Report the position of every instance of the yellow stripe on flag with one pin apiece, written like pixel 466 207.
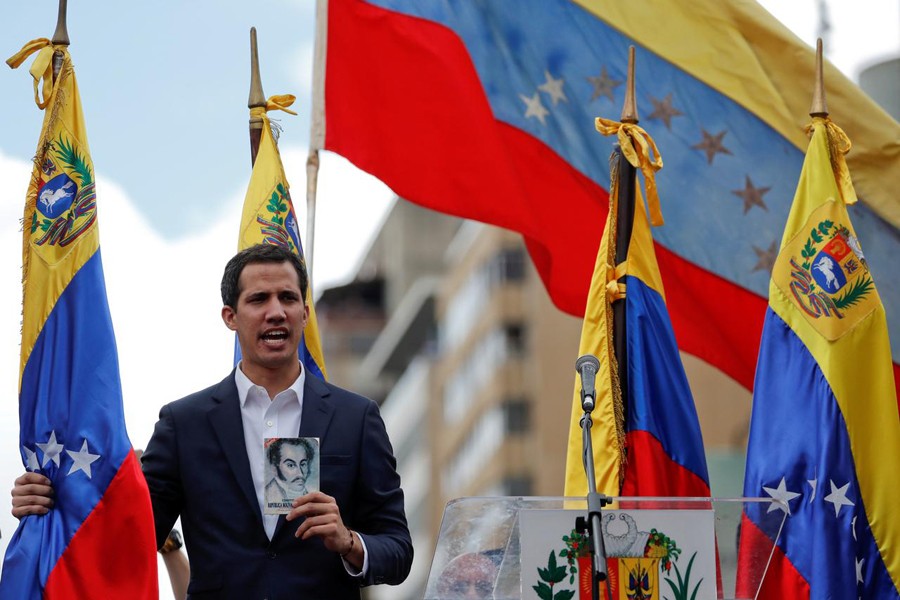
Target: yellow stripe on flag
pixel 269 216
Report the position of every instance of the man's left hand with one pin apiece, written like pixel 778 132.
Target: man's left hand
pixel 323 519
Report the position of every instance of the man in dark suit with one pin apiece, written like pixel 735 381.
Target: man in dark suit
pixel 205 461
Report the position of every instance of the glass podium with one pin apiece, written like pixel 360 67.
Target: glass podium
pixel 506 548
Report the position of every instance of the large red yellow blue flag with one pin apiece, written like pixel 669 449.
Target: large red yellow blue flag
pixel 269 218
pixel 653 417
pixel 484 110
pixel 824 434
pixel 98 540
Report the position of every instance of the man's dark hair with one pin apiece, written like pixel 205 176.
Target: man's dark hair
pixel 260 253
pixel 273 451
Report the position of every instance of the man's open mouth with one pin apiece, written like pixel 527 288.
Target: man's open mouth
pixel 275 336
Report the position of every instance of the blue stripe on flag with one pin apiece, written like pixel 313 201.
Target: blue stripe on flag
pixel 806 442
pixel 659 397
pixel 71 386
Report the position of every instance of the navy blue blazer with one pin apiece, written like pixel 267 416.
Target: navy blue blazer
pixel 196 467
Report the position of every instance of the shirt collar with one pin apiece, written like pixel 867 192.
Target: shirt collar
pixel 244 385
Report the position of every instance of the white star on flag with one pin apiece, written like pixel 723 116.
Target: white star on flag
pixel 31 461
pixel 853 528
pixel 838 497
pixel 83 460
pixel 51 450
pixel 535 108
pixel 780 493
pixel 812 483
pixel 554 88
pixel 859 566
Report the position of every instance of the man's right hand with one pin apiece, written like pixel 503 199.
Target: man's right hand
pixel 32 494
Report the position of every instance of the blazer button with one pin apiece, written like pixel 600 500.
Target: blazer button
pixel 271 554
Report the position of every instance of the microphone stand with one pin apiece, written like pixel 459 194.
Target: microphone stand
pixel 595 501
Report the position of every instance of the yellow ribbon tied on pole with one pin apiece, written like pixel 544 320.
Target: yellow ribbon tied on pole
pixel 277 102
pixel 615 290
pixel 641 152
pixel 838 147
pixel 41 69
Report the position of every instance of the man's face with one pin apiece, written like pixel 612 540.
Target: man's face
pixel 269 317
pixel 293 468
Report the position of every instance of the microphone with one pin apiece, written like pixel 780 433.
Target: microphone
pixel 587 366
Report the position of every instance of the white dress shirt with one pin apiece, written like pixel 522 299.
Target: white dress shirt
pixel 280 416
pixel 264 418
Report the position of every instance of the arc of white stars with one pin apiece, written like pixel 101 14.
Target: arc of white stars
pixel 534 108
pixel 553 87
pixel 51 450
pixel 31 461
pixel 781 493
pixel 838 497
pixel 83 460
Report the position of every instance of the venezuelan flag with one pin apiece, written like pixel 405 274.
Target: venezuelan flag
pixel 485 109
pixel 269 218
pixel 98 540
pixel 657 422
pixel 824 434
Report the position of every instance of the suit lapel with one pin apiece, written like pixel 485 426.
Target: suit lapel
pixel 317 408
pixel 225 418
pixel 317 413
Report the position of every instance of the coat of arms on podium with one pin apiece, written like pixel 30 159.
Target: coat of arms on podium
pixel 644 562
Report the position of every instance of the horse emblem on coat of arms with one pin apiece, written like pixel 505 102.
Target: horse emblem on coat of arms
pixel 65 199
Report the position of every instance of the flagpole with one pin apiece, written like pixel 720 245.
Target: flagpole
pixel 257 98
pixel 60 38
pixel 317 128
pixel 819 108
pixel 624 225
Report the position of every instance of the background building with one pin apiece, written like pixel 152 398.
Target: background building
pixel 448 326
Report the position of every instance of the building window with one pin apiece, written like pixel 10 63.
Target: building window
pixel 517 485
pixel 509 265
pixel 515 338
pixel 517 415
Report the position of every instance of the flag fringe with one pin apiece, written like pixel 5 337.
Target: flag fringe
pixel 615 384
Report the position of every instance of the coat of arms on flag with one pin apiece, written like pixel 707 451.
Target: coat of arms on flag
pixel 66 200
pixel 823 271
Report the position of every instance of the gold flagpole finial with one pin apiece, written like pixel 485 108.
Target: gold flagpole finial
pixel 629 109
pixel 61 35
pixel 257 98
pixel 819 108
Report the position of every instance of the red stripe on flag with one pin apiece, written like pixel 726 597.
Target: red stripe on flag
pixel 781 582
pixel 713 319
pixel 897 385
pixel 464 163
pixel 103 558
pixel 650 471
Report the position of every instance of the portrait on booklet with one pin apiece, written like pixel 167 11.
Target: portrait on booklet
pixel 291 470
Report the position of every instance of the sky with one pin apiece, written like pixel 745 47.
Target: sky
pixel 164 86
